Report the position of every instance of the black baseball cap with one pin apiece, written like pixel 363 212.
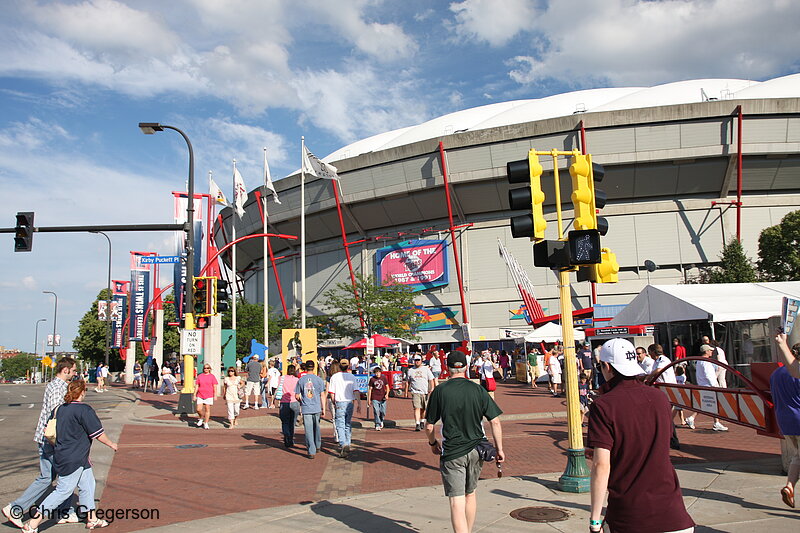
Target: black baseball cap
pixel 456 359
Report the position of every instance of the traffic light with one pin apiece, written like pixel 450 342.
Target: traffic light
pixel 584 247
pixel 23 232
pixel 605 272
pixel 201 296
pixel 221 296
pixel 532 197
pixel 585 198
pixel 202 322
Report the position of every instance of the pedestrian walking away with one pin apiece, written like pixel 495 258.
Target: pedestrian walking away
pixel 253 385
pixel 706 377
pixel 378 396
pixel 345 392
pixel 461 406
pixel 289 407
pixel 785 387
pixel 533 367
pixel 420 384
pixel 204 394
pixel 54 394
pixel 630 425
pixel 76 427
pixel 310 393
pixel 232 390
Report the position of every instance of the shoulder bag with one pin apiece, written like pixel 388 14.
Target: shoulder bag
pixel 50 429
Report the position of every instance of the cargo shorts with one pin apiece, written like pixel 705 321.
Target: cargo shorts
pixel 460 475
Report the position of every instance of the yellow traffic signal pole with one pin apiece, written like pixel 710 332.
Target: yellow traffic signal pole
pixel 576 475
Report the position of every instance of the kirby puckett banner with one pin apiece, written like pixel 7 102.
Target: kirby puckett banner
pixel 417 264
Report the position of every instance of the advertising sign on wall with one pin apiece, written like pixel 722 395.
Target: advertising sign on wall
pixel 418 264
pixel 434 318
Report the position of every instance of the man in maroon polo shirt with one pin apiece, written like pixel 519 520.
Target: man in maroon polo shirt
pixel 630 426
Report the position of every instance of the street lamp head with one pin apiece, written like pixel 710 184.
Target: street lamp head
pixel 149 128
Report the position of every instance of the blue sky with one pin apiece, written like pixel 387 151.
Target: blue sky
pixel 237 75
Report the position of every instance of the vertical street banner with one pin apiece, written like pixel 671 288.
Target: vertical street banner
pixel 118 313
pixel 140 299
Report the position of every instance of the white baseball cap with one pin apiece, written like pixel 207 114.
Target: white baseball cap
pixel 621 354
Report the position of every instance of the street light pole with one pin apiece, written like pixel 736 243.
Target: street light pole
pixel 108 305
pixel 186 401
pixel 55 318
pixel 36 337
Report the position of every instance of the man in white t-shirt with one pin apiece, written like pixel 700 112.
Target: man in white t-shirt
pixel 273 379
pixel 354 362
pixel 554 371
pixel 706 377
pixel 344 390
pixel 420 384
pixel 656 352
pixel 644 360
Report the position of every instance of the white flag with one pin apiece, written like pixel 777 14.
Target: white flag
pixel 268 180
pixel 316 167
pixel 216 193
pixel 239 193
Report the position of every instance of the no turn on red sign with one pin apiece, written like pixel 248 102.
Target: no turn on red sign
pixel 191 342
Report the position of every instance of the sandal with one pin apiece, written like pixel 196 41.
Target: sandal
pixel 96 524
pixel 27 529
pixel 787 494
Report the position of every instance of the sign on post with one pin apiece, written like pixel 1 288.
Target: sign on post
pixel 159 259
pixel 370 346
pixel 191 342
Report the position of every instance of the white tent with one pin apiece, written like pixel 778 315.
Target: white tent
pixel 551 332
pixel 720 302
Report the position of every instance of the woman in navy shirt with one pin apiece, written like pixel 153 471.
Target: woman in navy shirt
pixel 76 427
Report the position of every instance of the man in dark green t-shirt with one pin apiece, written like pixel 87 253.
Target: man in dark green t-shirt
pixel 533 367
pixel 461 405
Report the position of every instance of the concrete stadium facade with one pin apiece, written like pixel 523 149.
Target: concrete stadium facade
pixel 668 151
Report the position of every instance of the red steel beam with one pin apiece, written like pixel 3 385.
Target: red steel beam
pixel 453 234
pixel 335 184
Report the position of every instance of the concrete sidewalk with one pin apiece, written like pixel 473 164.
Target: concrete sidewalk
pixel 739 497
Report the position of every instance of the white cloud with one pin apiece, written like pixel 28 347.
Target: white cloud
pixel 31 134
pixel 629 42
pixel 359 101
pixel 107 28
pixel 493 21
pixel 29 283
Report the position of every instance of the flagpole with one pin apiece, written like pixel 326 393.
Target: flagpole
pixel 264 255
pixel 235 291
pixel 302 233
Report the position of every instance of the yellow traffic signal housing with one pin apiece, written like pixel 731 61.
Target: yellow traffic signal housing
pixel 202 287
pixel 527 170
pixel 583 192
pixel 608 269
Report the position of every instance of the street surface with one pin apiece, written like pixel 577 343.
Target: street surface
pixel 229 479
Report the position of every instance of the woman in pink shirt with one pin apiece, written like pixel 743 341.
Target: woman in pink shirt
pixel 290 407
pixel 205 390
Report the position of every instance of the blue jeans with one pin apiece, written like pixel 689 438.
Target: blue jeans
pixel 83 478
pixel 343 421
pixel 166 386
pixel 264 390
pixel 379 411
pixel 313 433
pixel 288 414
pixel 41 484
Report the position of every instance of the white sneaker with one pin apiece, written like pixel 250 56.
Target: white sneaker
pixel 200 422
pixel 719 427
pixel 690 422
pixel 205 426
pixel 13 515
pixel 71 518
pixel 256 408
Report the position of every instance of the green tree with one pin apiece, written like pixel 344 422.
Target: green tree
pixel 387 308
pixel 735 267
pixel 250 324
pixel 18 365
pixel 779 250
pixel 91 340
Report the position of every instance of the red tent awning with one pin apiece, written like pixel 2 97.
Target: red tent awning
pixel 380 342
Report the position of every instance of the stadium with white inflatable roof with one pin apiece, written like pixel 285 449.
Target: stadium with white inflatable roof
pixel 670 154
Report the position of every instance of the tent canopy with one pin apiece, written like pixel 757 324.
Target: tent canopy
pixel 551 332
pixel 719 302
pixel 380 342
